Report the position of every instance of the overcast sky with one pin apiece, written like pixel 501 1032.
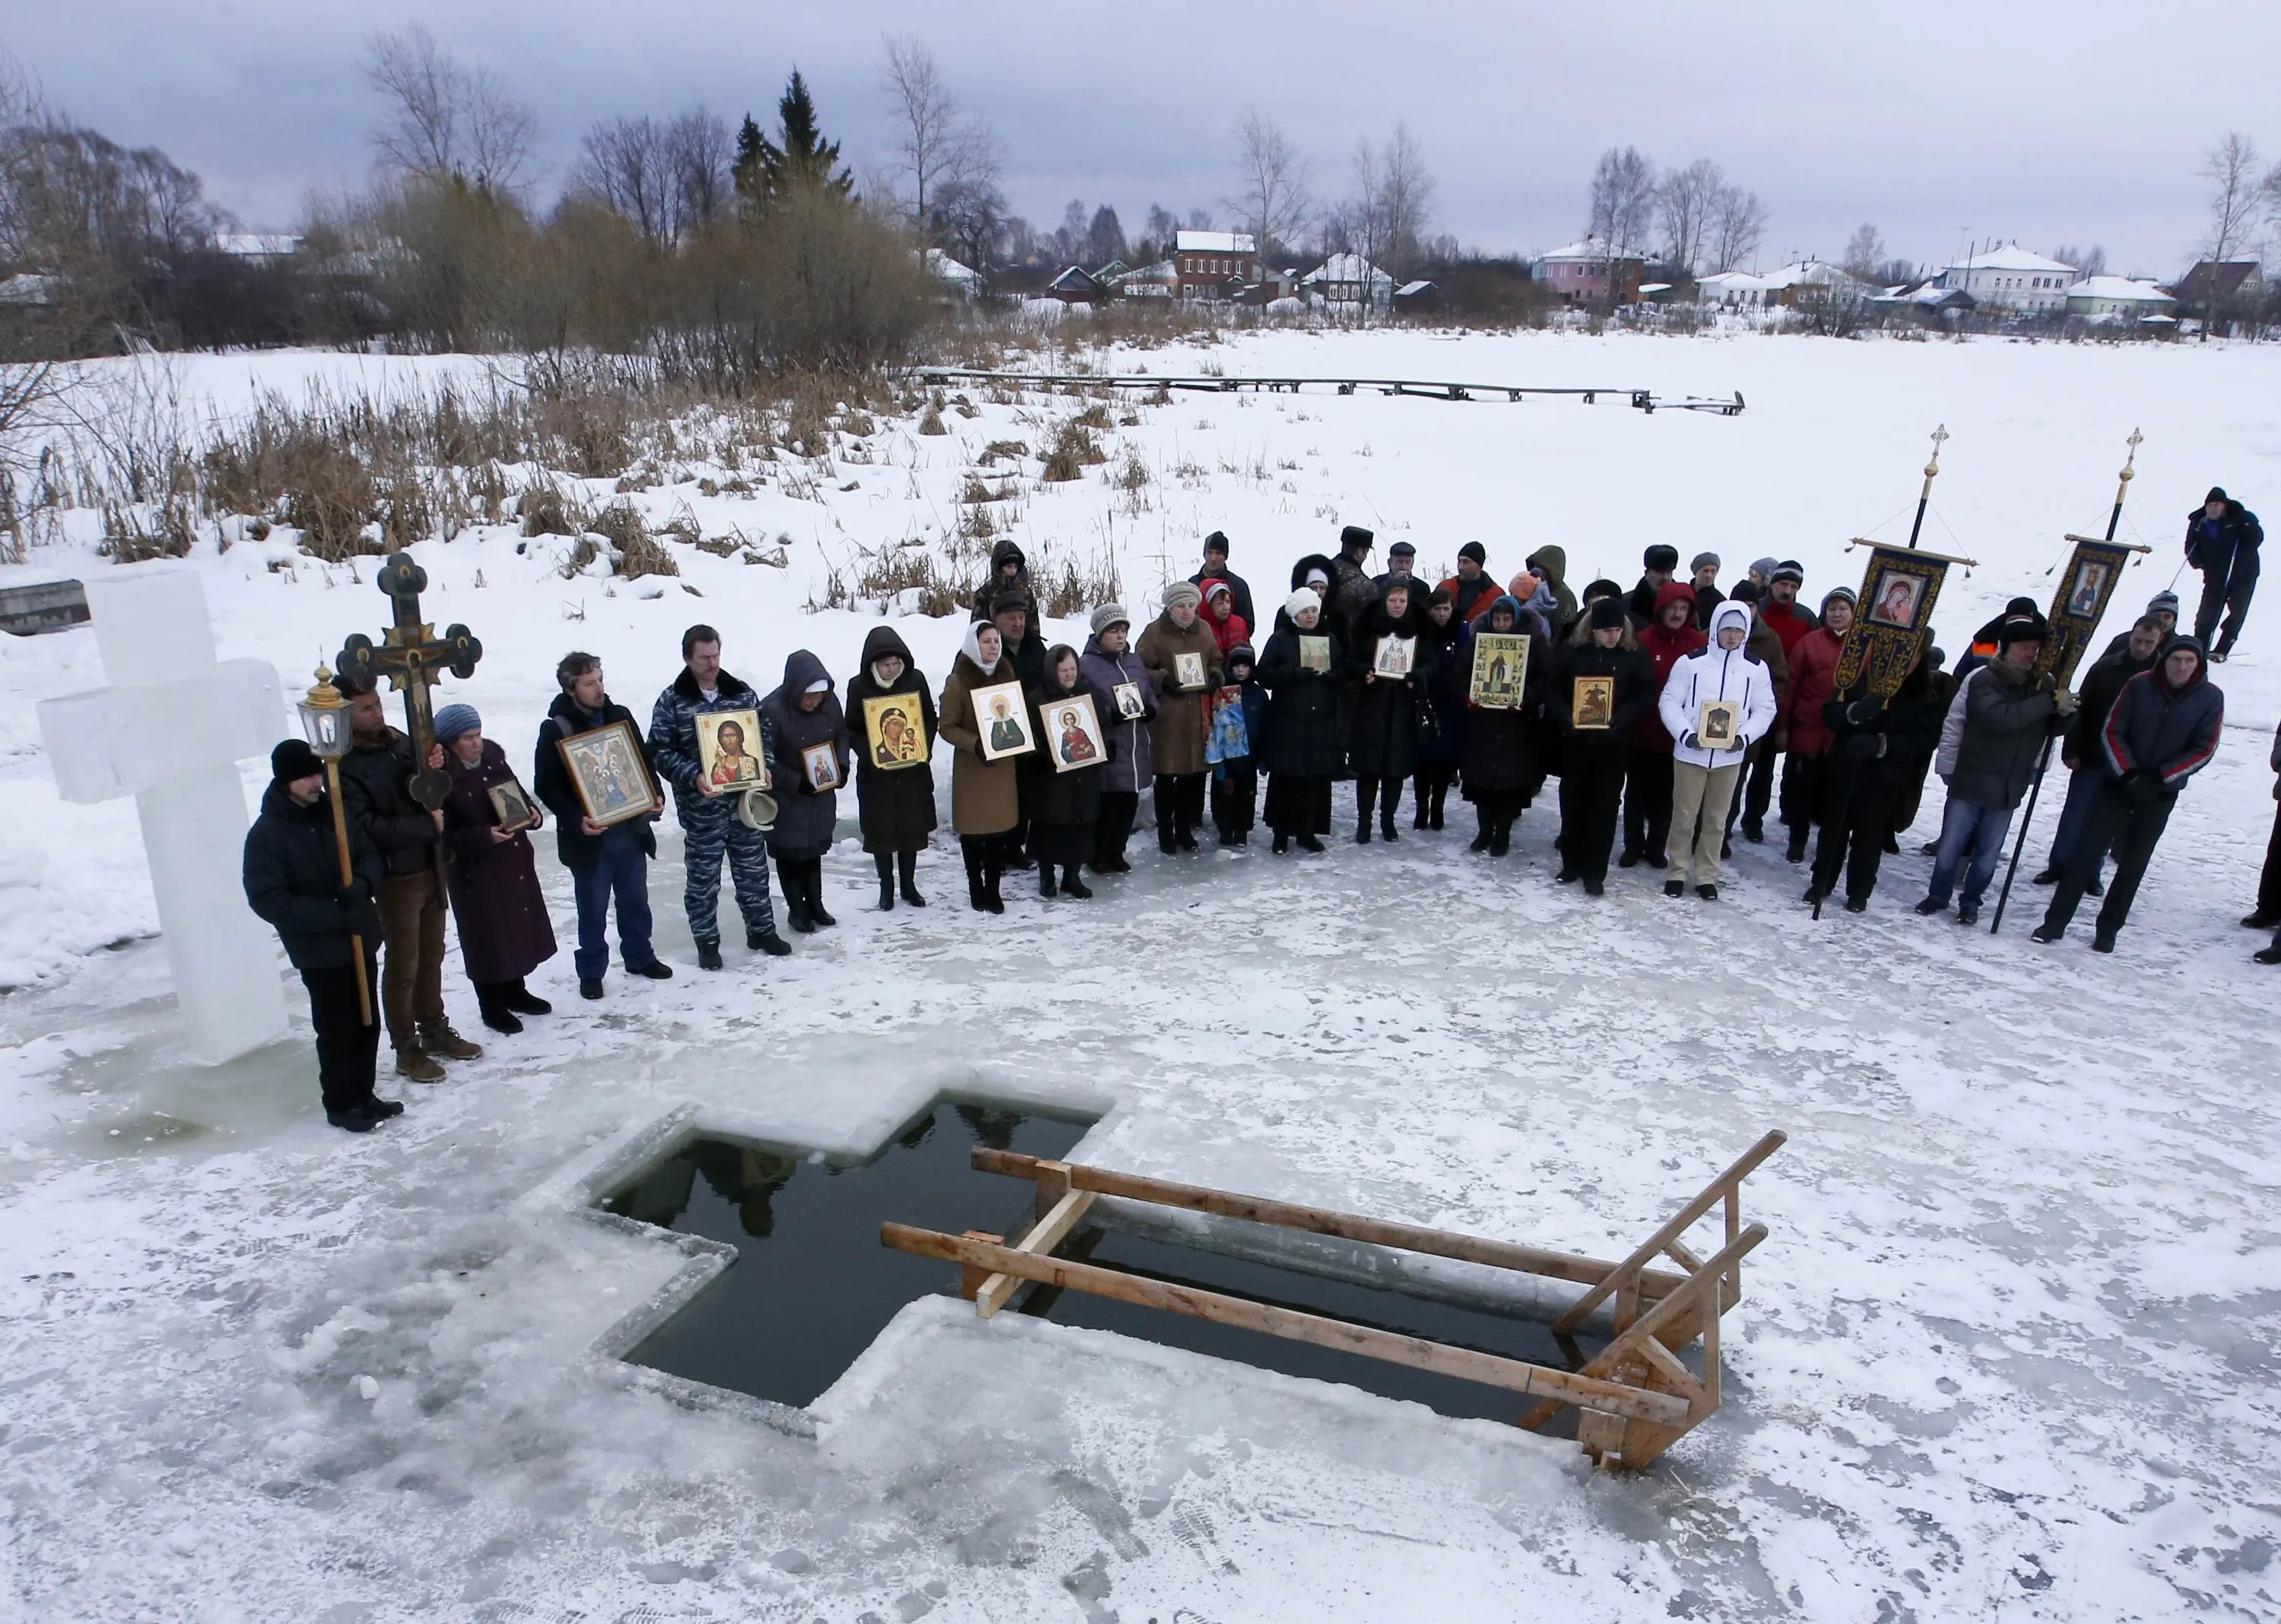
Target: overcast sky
pixel 2051 125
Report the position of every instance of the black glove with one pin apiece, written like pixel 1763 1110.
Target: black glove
pixel 2144 788
pixel 1861 713
pixel 1690 742
pixel 803 788
pixel 1866 746
pixel 353 895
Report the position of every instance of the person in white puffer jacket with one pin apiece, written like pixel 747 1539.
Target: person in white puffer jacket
pixel 1703 778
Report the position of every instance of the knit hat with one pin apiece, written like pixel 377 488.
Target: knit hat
pixel 1217 542
pixel 454 720
pixel 1522 586
pixel 1241 654
pixel 1608 614
pixel 1181 592
pixel 293 760
pixel 2021 606
pixel 1110 614
pixel 2019 628
pixel 2163 603
pixel 1765 567
pixel 2218 494
pixel 1702 559
pixel 1788 570
pixel 1475 550
pixel 1745 592
pixel 1660 557
pixel 1355 536
pixel 1402 549
pixel 1837 594
pixel 1299 600
pixel 1217 588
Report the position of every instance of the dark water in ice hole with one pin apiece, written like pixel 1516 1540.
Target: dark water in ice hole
pixel 812 1286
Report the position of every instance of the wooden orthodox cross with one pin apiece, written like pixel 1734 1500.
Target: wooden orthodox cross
pixel 411 656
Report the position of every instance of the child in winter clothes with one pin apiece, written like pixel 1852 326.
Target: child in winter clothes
pixel 1233 747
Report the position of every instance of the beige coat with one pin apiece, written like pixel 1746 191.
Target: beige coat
pixel 985 796
pixel 1176 738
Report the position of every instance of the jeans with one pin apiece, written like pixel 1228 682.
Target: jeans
pixel 621 871
pixel 346 1046
pixel 2083 782
pixel 412 924
pixel 1980 829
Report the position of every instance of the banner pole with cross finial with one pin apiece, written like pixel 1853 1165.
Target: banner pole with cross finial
pixel 2122 487
pixel 1924 497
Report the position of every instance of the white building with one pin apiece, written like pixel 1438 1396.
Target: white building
pixel 1347 279
pixel 1737 290
pixel 2117 299
pixel 2011 278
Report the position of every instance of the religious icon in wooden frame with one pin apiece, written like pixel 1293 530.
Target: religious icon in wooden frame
pixel 1002 716
pixel 896 727
pixel 605 769
pixel 729 750
pixel 1500 669
pixel 1073 733
pixel 1716 723
pixel 511 806
pixel 1592 704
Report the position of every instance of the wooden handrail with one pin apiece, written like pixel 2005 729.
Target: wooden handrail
pixel 1514 1375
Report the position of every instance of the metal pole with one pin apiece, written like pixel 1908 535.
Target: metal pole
pixel 2043 762
pixel 348 877
pixel 1924 497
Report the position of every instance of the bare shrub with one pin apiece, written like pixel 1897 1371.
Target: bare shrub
pixel 639 552
pixel 544 512
pixel 1074 450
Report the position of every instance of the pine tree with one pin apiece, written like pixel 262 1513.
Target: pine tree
pixel 747 170
pixel 805 158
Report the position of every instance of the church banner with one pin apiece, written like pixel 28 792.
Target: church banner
pixel 1894 620
pixel 2080 600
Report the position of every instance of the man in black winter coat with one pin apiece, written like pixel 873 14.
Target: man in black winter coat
pixel 2163 730
pixel 606 862
pixel 292 879
pixel 2222 538
pixel 377 793
pixel 2080 749
pixel 1875 764
pixel 1215 569
pixel 1657 565
pixel 1600 689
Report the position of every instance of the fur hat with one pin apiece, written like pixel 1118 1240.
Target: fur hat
pixel 1608 614
pixel 1110 614
pixel 1660 556
pixel 1604 588
pixel 1181 592
pixel 1702 559
pixel 293 760
pixel 1302 600
pixel 1355 536
pixel 454 720
pixel 1788 570
pixel 1475 550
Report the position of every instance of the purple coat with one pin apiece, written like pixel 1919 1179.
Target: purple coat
pixel 504 930
pixel 1131 765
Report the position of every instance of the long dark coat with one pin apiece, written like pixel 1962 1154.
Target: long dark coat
pixel 1442 680
pixel 894 804
pixel 1063 806
pixel 504 930
pixel 806 818
pixel 1382 742
pixel 1504 748
pixel 1302 730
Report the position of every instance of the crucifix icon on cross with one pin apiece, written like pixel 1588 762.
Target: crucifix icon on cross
pixel 411 656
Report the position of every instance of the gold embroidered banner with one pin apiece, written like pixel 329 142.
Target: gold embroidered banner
pixel 1893 621
pixel 2081 598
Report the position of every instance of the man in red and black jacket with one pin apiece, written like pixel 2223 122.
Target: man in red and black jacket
pixel 2163 730
pixel 1781 615
pixel 1671 635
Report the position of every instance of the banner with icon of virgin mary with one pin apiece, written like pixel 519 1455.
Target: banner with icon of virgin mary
pixel 1893 620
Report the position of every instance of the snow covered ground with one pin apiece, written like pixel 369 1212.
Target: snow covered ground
pixel 2009 1352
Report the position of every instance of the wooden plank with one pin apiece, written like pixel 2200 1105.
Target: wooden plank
pixel 1654 1284
pixel 1047 1234
pixel 1662 1357
pixel 1724 1184
pixel 1510 1374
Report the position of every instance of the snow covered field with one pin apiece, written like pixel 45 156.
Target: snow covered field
pixel 2008 1353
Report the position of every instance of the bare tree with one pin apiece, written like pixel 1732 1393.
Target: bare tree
pixel 2089 261
pixel 1405 198
pixel 1865 252
pixel 2230 168
pixel 446 121
pixel 1623 200
pixel 1685 200
pixel 1271 197
pixel 698 147
pixel 934 146
pixel 623 163
pixel 1738 220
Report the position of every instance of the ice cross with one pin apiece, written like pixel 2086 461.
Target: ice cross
pixel 411 655
pixel 170 731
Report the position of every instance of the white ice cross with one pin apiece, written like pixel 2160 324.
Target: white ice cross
pixel 170 731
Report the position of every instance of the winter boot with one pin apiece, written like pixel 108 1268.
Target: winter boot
pixel 708 956
pixel 1044 880
pixel 992 871
pixel 824 920
pixel 907 865
pixel 590 987
pixel 1675 887
pixel 1388 810
pixel 977 897
pixel 2102 941
pixel 1500 841
pixel 1281 846
pixel 884 866
pixel 491 1003
pixel 522 1000
pixel 793 883
pixel 2267 955
pixel 355 1118
pixel 1073 884
pixel 417 1065
pixel 1366 798
pixel 656 970
pixel 1480 842
pixel 379 1109
pixel 441 1039
pixel 1709 893
pixel 768 942
pixel 2048 877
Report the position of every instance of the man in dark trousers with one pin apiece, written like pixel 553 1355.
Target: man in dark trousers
pixel 1877 759
pixel 1615 683
pixel 293 880
pixel 1215 569
pixel 2267 915
pixel 2222 537
pixel 2080 749
pixel 710 827
pixel 377 793
pixel 606 862
pixel 2163 730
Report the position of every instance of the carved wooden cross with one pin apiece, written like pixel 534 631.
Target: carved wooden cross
pixel 411 656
